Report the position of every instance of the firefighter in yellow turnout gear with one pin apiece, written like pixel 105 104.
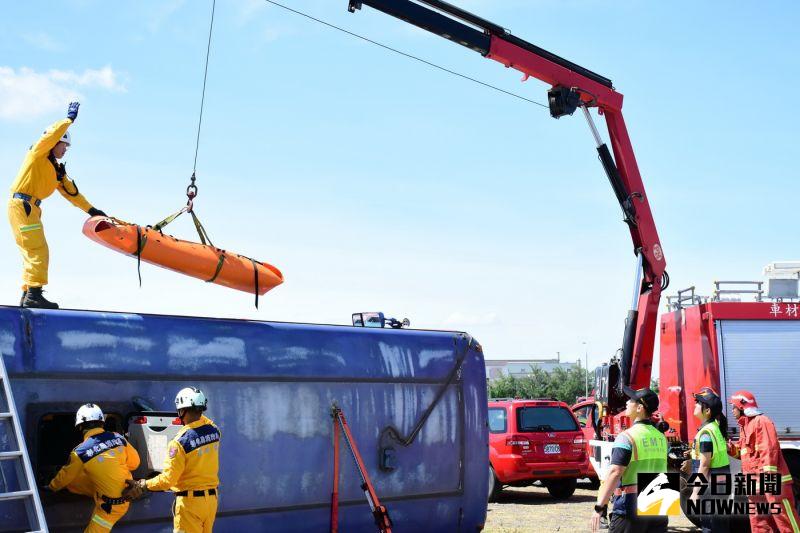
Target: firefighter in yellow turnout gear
pixel 40 175
pixel 98 468
pixel 191 469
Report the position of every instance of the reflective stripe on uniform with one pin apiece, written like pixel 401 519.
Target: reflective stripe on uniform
pixel 104 523
pixel 786 479
pixel 719 454
pixel 768 468
pixel 791 515
pixel 30 227
pixel 649 452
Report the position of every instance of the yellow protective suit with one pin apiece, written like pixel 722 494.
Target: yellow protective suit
pixel 38 179
pixel 99 467
pixel 192 465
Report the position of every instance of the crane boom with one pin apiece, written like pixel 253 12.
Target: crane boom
pixel 572 86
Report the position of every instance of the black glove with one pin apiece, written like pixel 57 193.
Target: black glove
pixel 72 111
pixel 136 488
pixel 96 213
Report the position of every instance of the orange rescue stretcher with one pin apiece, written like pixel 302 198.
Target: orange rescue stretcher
pixel 201 261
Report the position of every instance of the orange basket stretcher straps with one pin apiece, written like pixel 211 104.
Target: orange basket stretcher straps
pixel 256 286
pixel 141 241
pixel 220 262
pixel 255 279
pixel 161 225
pixel 201 231
pixel 121 222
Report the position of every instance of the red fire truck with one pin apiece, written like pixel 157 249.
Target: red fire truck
pixel 744 336
pixel 730 344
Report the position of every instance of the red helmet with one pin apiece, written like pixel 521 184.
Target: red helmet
pixel 744 400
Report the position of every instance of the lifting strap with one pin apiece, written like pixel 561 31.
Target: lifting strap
pixel 201 231
pixel 218 269
pixel 141 240
pixel 255 279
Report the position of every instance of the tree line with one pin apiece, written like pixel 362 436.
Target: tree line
pixel 561 384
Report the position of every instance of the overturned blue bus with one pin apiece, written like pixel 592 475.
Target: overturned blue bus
pixel 415 402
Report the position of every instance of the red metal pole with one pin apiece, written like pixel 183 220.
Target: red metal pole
pixel 379 512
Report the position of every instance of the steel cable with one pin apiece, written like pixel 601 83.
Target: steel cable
pixel 405 54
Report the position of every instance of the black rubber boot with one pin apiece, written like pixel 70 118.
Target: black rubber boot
pixel 34 298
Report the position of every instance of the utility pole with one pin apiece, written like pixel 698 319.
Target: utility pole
pixel 586 355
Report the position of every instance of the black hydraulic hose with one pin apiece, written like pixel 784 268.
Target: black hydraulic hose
pixel 623 196
pixel 393 433
pixel 628 340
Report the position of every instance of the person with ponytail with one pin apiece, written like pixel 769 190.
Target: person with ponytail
pixel 709 451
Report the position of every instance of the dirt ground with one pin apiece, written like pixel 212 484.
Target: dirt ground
pixel 533 510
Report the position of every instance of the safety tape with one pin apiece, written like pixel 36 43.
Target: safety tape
pixel 104 523
pixel 791 514
pixel 768 468
pixel 30 227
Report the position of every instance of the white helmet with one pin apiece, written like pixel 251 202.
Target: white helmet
pixel 66 138
pixel 88 413
pixel 191 397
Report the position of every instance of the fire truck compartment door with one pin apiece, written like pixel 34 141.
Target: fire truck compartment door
pixel 762 356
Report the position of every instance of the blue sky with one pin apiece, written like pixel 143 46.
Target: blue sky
pixel 377 183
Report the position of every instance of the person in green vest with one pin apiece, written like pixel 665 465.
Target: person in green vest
pixel 709 451
pixel 640 448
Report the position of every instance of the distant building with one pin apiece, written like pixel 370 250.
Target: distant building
pixel 497 368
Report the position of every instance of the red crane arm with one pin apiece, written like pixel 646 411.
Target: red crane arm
pixel 572 86
pixel 542 68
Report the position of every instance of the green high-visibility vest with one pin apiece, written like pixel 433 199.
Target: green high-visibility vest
pixel 648 452
pixel 719 456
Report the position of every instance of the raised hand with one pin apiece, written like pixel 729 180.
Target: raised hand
pixel 72 111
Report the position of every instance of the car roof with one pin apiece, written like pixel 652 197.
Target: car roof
pixel 532 402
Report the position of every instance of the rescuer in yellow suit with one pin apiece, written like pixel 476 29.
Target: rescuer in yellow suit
pixel 191 470
pixel 39 176
pixel 98 468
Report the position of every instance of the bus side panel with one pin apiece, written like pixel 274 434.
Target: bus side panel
pixel 271 387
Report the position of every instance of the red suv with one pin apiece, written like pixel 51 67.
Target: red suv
pixel 535 440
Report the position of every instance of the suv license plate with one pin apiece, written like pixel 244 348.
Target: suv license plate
pixel 552 448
